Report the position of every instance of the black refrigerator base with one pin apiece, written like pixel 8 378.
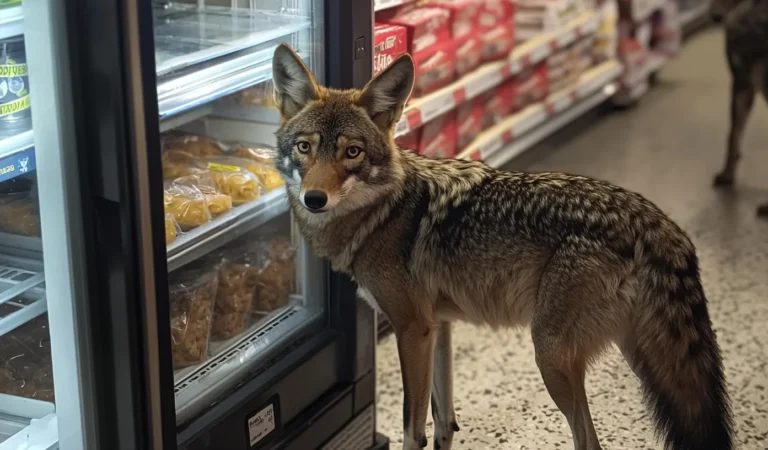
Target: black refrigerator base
pixel 382 442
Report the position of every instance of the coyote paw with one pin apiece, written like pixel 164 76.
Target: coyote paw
pixel 762 210
pixel 723 179
pixel 444 435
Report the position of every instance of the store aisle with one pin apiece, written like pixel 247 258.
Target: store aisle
pixel 667 148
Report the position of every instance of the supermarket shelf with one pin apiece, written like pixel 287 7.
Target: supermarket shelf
pixel 490 75
pixel 520 131
pixel 225 228
pixel 378 5
pixel 17 156
pixel 197 387
pixel 20 276
pixel 25 423
pixel 203 55
pixel 11 22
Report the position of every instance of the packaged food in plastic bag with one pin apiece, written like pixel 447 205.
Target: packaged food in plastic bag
pixel 171 229
pixel 187 205
pixel 235 181
pixel 257 152
pixel 19 214
pixel 192 292
pixel 199 146
pixel 218 203
pixel 276 274
pixel 178 163
pixel 238 275
pixel 260 95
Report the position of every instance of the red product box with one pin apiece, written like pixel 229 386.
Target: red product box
pixel 530 86
pixel 389 42
pixel 410 140
pixel 496 12
pixel 465 15
pixel 499 103
pixel 438 137
pixel 469 122
pixel 469 54
pixel 434 68
pixel 427 27
pixel 498 41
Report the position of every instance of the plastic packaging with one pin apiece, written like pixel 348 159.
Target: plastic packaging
pixel 26 368
pixel 171 229
pixel 277 271
pixel 268 176
pixel 260 95
pixel 195 145
pixel 238 276
pixel 192 292
pixel 217 202
pixel 20 214
pixel 238 183
pixel 15 112
pixel 187 205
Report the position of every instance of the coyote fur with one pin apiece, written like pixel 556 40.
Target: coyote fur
pixel 429 241
pixel 746 48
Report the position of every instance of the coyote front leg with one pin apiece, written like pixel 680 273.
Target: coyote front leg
pixel 442 390
pixel 416 347
pixel 742 98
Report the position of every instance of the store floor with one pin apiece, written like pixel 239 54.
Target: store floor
pixel 667 148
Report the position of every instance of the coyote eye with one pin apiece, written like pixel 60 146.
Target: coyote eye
pixel 353 152
pixel 303 147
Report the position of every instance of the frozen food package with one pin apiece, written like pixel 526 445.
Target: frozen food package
pixel 171 229
pixel 178 163
pixel 260 95
pixel 20 214
pixel 217 202
pixel 262 153
pixel 192 144
pixel 238 183
pixel 276 275
pixel 268 176
pixel 192 291
pixel 187 205
pixel 238 275
pixel 25 352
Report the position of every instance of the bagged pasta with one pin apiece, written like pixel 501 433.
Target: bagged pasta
pixel 218 203
pixel 178 163
pixel 187 205
pixel 257 152
pixel 199 146
pixel 20 214
pixel 171 229
pixel 240 184
pixel 238 275
pixel 192 292
pixel 260 95
pixel 268 177
pixel 276 273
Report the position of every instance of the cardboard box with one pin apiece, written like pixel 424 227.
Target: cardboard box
pixel 389 42
pixel 499 103
pixel 465 15
pixel 427 27
pixel 469 122
pixel 438 137
pixel 530 86
pixel 469 54
pixel 496 12
pixel 410 140
pixel 498 41
pixel 434 68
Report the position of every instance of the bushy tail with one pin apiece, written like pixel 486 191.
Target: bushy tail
pixel 675 353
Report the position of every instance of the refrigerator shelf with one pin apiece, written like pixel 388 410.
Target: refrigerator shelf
pixel 196 387
pixel 17 155
pixel 20 277
pixel 203 55
pixel 19 413
pixel 11 22
pixel 225 228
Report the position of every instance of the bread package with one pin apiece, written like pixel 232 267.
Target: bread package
pixel 192 292
pixel 187 205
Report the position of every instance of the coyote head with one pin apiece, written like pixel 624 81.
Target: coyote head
pixel 336 149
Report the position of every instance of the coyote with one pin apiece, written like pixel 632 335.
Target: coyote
pixel 429 241
pixel 746 48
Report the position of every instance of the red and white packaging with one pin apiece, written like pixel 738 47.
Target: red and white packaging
pixel 434 68
pixel 496 12
pixel 498 41
pixel 469 122
pixel 499 103
pixel 469 54
pixel 530 86
pixel 438 137
pixel 427 27
pixel 465 15
pixel 410 140
pixel 389 42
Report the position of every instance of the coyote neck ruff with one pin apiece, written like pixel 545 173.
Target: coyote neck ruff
pixel 583 262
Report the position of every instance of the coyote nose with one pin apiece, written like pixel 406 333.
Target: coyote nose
pixel 315 199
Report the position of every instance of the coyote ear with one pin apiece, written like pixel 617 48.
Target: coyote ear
pixel 384 96
pixel 295 86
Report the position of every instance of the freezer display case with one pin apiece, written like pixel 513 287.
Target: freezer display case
pixel 156 292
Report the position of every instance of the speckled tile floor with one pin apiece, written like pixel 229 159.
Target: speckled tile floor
pixel 667 148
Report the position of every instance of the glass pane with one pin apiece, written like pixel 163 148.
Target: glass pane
pixel 242 284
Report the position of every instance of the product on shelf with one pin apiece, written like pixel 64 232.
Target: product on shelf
pixel 607 34
pixel 15 112
pixel 216 202
pixel 275 279
pixel 498 42
pixel 566 65
pixel 438 136
pixel 20 214
pixel 238 277
pixel 171 229
pixel 260 95
pixel 469 54
pixel 530 86
pixel 192 292
pixel 410 140
pixel 427 27
pixel 194 145
pixel 465 15
pixel 262 153
pixel 535 17
pixel 25 353
pixel 238 183
pixel 187 205
pixel 389 42
pixel 9 3
pixel 499 103
pixel 434 68
pixel 469 122
pixel 496 12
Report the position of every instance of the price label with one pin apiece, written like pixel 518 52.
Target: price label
pixel 434 108
pixel 483 84
pixel 261 424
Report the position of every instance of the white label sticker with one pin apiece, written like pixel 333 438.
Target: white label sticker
pixel 261 424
